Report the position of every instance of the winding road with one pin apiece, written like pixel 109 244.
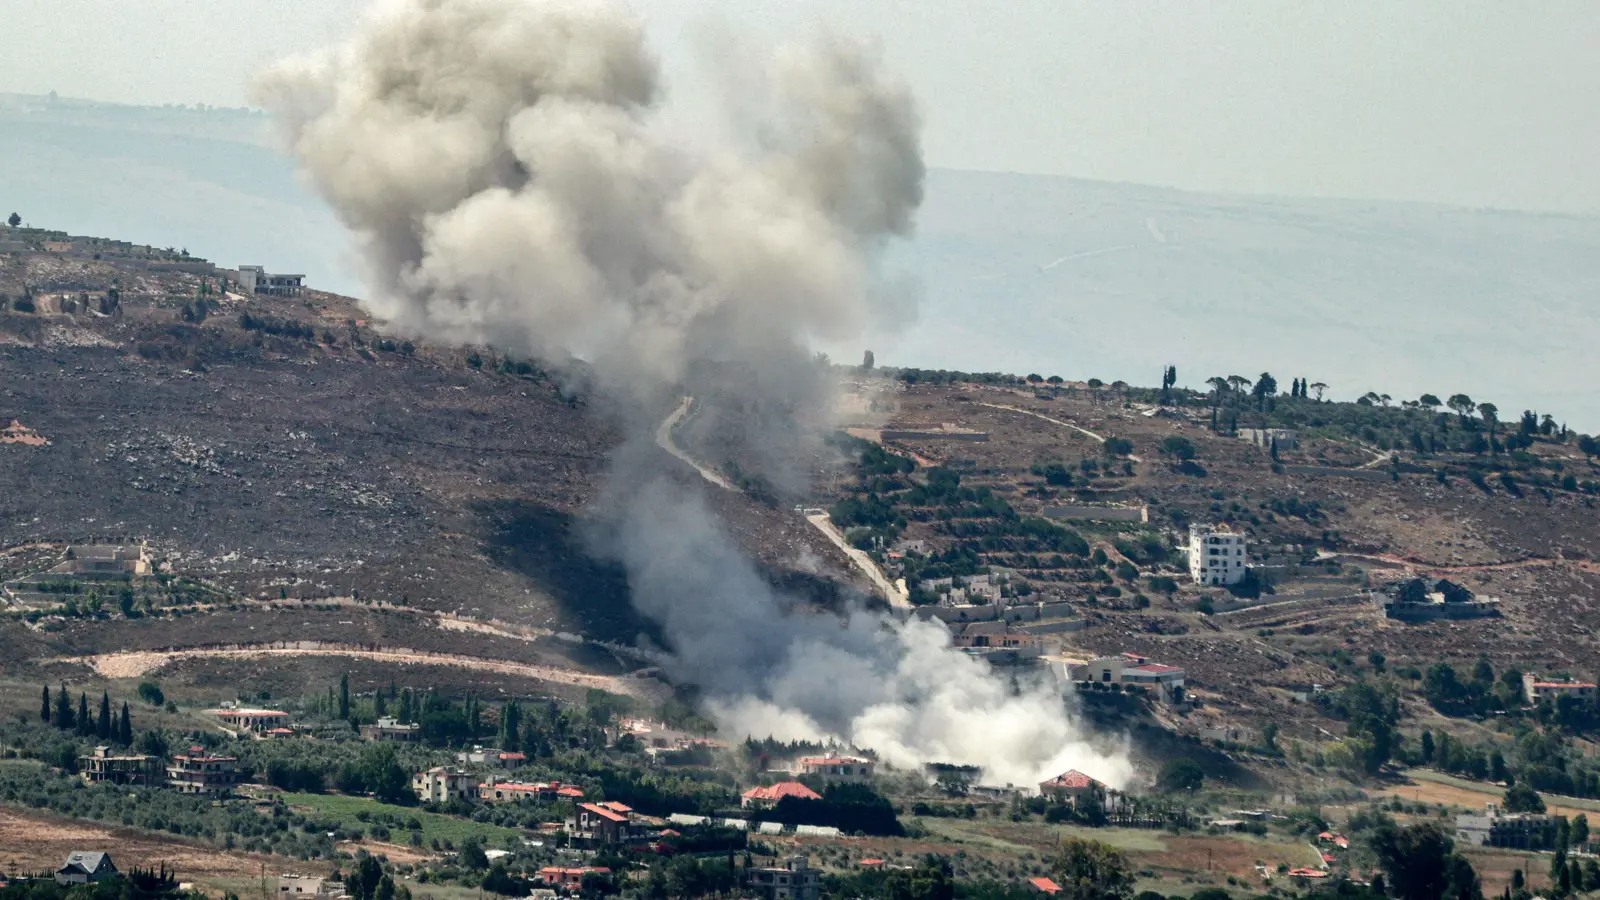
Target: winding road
pixel 898 597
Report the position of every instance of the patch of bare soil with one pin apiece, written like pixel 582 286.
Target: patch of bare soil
pixel 32 841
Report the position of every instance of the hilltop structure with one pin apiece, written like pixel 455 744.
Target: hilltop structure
pixel 1416 600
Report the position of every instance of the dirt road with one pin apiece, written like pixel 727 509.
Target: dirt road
pixel 664 441
pixel 135 664
pixel 898 597
pixel 1078 428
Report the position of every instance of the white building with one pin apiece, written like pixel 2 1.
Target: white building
pixel 1217 555
pixel 441 785
pixel 837 768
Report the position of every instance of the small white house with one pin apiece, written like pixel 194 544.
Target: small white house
pixel 1217 555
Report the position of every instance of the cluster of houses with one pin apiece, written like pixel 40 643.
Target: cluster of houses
pixel 194 771
pixel 1496 828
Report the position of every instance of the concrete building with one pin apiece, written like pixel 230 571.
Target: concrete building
pixel 390 729
pixel 201 772
pixel 311 887
pixel 101 767
pixel 441 785
pixel 837 768
pixel 105 559
pixel 86 867
pixel 1537 690
pixel 600 824
pixel 257 280
pixel 497 759
pixel 497 791
pixel 1521 831
pixel 765 797
pixel 258 721
pixel 1267 438
pixel 569 878
pixel 1217 555
pixel 1419 600
pixel 795 880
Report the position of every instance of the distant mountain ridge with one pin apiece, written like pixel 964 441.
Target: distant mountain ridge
pixel 1015 272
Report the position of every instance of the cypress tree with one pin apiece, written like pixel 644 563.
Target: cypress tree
pixel 125 729
pixel 104 726
pixel 344 696
pixel 406 711
pixel 85 724
pixel 44 706
pixel 63 717
pixel 380 705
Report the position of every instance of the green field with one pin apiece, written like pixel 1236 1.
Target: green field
pixel 444 828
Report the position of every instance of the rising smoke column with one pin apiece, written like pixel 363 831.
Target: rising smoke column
pixel 512 179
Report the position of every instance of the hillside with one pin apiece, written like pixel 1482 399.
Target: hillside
pixel 1352 507
pixel 279 448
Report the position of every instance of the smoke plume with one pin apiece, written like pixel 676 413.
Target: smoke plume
pixel 513 178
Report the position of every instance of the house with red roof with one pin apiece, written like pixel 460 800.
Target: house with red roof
pixel 571 878
pixel 595 824
pixel 496 790
pixel 765 797
pixel 1044 886
pixel 1539 689
pixel 1069 786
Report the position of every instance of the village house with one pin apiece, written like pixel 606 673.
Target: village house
pixel 1044 886
pixel 837 768
pixel 257 280
pixel 498 759
pixel 1071 786
pixel 390 729
pixel 568 878
pixel 600 824
pixel 86 867
pixel 794 880
pixel 105 559
pixel 441 785
pixel 1538 690
pixel 201 772
pixel 258 721
pixel 307 886
pixel 1521 831
pixel 104 767
pixel 765 797
pixel 1217 555
pixel 497 791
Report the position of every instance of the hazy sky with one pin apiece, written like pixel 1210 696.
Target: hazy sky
pixel 1452 101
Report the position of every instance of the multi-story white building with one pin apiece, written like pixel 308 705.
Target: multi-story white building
pixel 441 785
pixel 1217 555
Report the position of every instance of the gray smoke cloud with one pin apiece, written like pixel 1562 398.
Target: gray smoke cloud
pixel 514 179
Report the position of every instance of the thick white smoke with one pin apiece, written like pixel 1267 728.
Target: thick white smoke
pixel 513 180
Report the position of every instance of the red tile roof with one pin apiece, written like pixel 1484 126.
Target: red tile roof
pixel 868 863
pixel 1154 668
pixel 1045 885
pixel 569 791
pixel 603 813
pixel 1071 778
pixel 781 790
pixel 1308 873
